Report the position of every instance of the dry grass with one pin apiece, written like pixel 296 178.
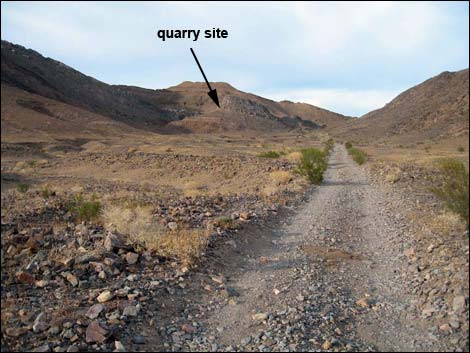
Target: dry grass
pixel 137 223
pixel 393 175
pixel 188 245
pixel 281 177
pixel 294 157
pixel 446 223
pixel 143 230
pixel 270 190
pixel 278 180
pixel 193 189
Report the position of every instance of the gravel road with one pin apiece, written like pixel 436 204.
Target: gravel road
pixel 330 278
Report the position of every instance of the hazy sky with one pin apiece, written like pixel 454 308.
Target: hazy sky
pixel 347 57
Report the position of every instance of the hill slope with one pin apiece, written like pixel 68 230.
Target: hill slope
pixel 28 70
pixel 30 117
pixel 436 108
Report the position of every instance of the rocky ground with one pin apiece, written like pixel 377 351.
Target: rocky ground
pixel 345 270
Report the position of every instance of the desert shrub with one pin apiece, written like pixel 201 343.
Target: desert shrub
pixel 312 165
pixel 22 187
pixel 454 187
pixel 360 157
pixel 461 149
pixel 46 192
pixel 270 154
pixel 225 222
pixel 84 210
pixel 348 145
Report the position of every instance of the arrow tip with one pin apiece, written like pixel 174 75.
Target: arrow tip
pixel 213 94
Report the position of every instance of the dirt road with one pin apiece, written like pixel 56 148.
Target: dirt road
pixel 330 278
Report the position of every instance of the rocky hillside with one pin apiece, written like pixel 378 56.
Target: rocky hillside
pixel 238 111
pixel 320 116
pixel 183 108
pixel 433 109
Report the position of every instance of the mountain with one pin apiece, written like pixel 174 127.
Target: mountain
pixel 181 109
pixel 436 108
pixel 30 71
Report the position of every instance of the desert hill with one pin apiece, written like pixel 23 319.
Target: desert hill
pixel 436 108
pixel 33 84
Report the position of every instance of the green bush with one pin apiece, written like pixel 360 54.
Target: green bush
pixel 270 154
pixel 360 157
pixel 348 145
pixel 22 187
pixel 84 210
pixel 454 187
pixel 312 165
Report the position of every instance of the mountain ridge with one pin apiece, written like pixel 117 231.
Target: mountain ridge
pixel 160 110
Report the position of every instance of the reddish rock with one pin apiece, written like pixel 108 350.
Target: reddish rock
pixel 24 277
pixel 33 243
pixel 96 333
pixel 188 328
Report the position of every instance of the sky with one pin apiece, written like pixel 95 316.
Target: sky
pixel 348 57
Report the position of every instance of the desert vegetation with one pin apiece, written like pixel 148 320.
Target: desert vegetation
pixel 84 209
pixel 453 189
pixel 312 164
pixel 143 231
pixel 359 156
pixel 270 154
pixel 22 187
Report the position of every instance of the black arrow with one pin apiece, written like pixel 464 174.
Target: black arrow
pixel 212 92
